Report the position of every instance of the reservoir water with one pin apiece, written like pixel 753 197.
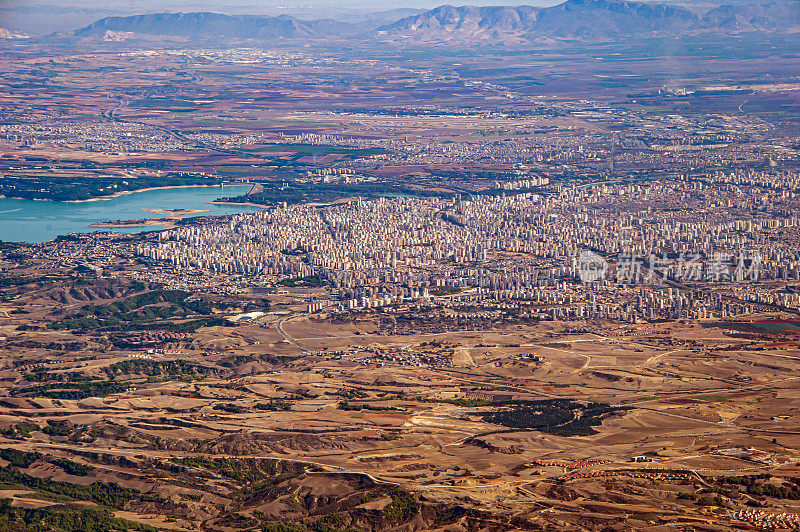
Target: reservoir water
pixel 39 221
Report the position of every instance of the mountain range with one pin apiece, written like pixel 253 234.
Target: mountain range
pixel 200 26
pixel 590 20
pixel 594 20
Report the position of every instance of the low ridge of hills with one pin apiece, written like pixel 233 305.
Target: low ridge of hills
pixel 8 34
pixel 213 25
pixel 591 20
pixel 775 16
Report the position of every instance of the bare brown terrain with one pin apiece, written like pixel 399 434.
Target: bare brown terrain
pixel 235 425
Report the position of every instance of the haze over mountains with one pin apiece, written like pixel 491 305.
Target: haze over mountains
pixel 591 20
pixel 213 25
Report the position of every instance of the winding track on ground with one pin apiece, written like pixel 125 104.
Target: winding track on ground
pixel 286 336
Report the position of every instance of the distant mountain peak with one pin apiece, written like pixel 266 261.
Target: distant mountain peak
pixel 590 20
pixel 203 25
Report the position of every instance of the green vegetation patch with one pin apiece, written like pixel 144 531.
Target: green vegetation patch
pixel 275 406
pixel 71 467
pixel 19 458
pixel 146 311
pixel 243 469
pixel 152 368
pixel 16 280
pixel 232 408
pixel 714 398
pixel 309 281
pixel 71 390
pixel 72 188
pixel 78 386
pixel 355 407
pixel 21 430
pixel 562 417
pixel 105 493
pixel 762 486
pixel 402 508
pixel 64 518
pixel 58 428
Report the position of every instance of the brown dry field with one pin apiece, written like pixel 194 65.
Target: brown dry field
pixel 687 394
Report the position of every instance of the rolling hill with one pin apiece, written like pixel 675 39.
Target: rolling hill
pixel 203 26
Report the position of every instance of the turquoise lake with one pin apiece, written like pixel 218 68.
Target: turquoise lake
pixel 40 221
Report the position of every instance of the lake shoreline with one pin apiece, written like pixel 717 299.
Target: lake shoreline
pixel 153 222
pixel 168 222
pixel 138 190
pixel 121 193
pixel 41 221
pixel 260 206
